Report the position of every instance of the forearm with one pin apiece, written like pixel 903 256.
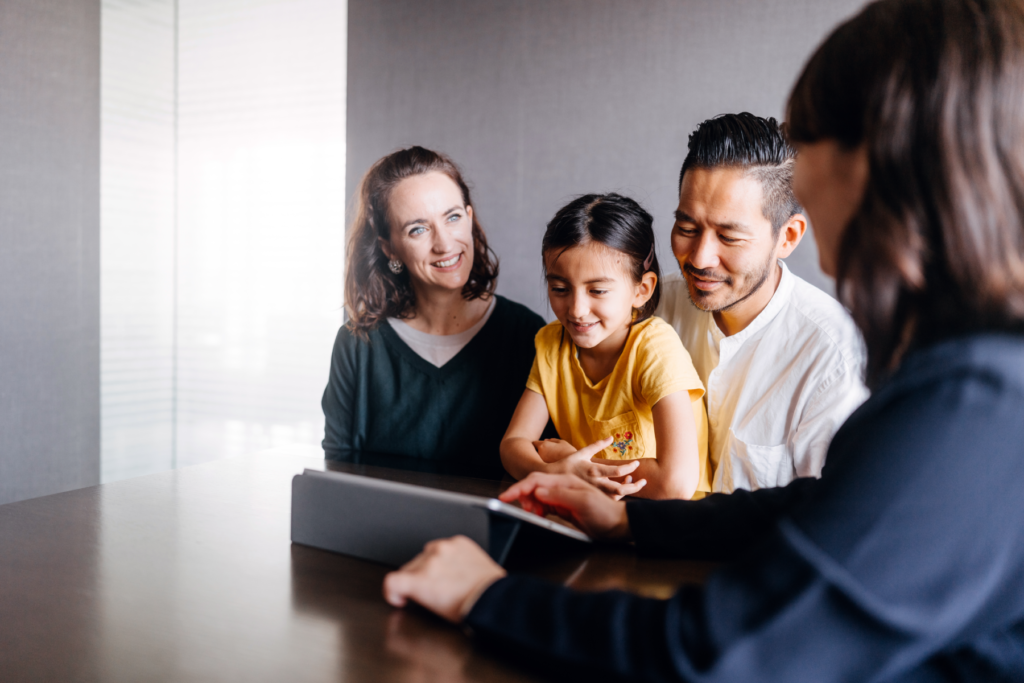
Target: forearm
pixel 606 636
pixel 718 527
pixel 663 481
pixel 519 457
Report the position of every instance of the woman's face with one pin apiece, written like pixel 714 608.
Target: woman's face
pixel 829 182
pixel 431 232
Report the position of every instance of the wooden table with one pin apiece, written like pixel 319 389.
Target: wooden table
pixel 190 575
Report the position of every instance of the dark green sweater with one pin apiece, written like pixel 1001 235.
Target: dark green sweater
pixel 385 405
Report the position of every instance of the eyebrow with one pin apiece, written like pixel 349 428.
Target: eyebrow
pixel 595 281
pixel 424 220
pixel 684 217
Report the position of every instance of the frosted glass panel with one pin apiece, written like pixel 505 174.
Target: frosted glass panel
pixel 222 291
pixel 261 144
pixel 137 237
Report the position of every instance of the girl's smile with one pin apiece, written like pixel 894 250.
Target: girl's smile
pixel 582 327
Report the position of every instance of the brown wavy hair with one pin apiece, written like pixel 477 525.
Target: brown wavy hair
pixel 934 91
pixel 372 291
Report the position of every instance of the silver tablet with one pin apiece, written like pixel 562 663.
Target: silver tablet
pixel 390 522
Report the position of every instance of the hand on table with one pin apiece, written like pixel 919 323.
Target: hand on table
pixel 573 499
pixel 446 578
pixel 613 479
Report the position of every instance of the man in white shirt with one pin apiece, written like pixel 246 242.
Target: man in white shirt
pixel 781 360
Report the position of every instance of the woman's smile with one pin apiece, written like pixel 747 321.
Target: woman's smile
pixel 449 264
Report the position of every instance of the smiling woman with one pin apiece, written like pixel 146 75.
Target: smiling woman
pixel 414 382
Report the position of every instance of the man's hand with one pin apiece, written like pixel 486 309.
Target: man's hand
pixel 446 578
pixel 601 475
pixel 573 499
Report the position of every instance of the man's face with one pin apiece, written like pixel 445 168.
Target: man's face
pixel 721 238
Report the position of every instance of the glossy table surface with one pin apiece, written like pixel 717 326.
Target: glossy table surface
pixel 190 575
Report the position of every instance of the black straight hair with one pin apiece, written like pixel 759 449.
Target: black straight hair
pixel 617 222
pixel 756 145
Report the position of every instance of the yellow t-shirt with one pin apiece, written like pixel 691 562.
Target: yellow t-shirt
pixel 653 364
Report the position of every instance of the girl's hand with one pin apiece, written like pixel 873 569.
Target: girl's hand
pixel 553 450
pixel 573 499
pixel 597 474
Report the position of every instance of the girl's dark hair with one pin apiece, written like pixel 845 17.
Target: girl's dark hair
pixel 618 223
pixel 934 91
pixel 372 291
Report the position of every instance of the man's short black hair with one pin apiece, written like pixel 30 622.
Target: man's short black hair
pixel 755 144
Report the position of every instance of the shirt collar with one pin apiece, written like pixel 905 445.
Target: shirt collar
pixel 778 301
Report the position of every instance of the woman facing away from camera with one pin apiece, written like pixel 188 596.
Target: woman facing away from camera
pixel 428 369
pixel 905 561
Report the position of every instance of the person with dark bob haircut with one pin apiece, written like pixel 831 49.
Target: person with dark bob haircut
pixel 905 561
pixel 427 371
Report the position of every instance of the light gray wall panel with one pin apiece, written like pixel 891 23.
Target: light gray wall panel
pixel 541 100
pixel 49 246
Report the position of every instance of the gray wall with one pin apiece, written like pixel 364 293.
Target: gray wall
pixel 541 100
pixel 49 246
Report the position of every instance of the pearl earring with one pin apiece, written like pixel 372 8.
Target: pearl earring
pixel 396 266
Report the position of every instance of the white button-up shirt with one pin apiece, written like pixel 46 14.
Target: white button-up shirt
pixel 778 390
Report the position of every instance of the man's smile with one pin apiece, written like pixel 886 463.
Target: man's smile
pixel 702 281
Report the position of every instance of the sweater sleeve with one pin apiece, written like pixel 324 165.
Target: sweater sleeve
pixel 339 397
pixel 776 619
pixel 718 527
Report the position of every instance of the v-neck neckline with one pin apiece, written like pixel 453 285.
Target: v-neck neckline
pixel 426 367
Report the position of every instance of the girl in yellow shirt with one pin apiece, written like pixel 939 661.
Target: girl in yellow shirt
pixel 615 381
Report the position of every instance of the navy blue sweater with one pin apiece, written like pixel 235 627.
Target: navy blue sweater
pixel 904 562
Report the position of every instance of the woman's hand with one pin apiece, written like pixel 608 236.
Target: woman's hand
pixel 598 474
pixel 446 578
pixel 573 499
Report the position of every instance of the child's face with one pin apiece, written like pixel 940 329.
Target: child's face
pixel 593 295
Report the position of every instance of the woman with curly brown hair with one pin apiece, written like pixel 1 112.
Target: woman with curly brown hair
pixel 427 371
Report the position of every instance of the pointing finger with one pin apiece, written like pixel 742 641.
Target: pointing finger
pixel 594 448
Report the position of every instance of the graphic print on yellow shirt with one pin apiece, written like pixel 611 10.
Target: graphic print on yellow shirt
pixel 653 365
